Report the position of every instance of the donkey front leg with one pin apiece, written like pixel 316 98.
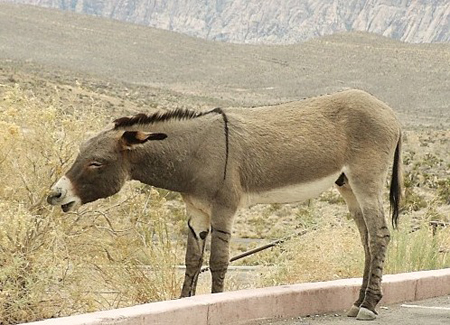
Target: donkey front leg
pixel 221 224
pixel 198 223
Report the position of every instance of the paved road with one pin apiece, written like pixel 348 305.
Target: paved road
pixel 434 311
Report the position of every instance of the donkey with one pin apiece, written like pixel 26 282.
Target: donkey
pixel 223 160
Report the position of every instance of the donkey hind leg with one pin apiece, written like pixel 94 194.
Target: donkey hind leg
pixel 221 224
pixel 198 222
pixel 369 197
pixel 356 213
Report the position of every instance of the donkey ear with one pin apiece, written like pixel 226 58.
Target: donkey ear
pixel 131 138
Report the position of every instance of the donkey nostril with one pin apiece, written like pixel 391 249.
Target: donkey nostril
pixel 54 195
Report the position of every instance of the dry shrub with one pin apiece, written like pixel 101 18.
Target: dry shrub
pixel 444 190
pixel 418 247
pixel 112 253
pixel 327 254
pixel 335 252
pixel 121 251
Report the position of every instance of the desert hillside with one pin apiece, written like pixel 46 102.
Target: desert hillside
pixel 413 78
pixel 275 21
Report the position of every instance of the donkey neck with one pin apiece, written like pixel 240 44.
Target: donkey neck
pixel 173 163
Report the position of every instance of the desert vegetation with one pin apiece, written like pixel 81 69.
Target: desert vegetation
pixel 53 264
pixel 56 88
pixel 123 250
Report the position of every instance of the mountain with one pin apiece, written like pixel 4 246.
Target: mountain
pixel 412 78
pixel 275 21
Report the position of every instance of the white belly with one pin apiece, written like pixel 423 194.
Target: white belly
pixel 291 193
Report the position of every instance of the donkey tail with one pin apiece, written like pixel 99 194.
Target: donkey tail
pixel 395 192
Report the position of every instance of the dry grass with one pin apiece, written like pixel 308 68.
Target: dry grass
pixel 336 252
pixel 53 264
pixel 121 251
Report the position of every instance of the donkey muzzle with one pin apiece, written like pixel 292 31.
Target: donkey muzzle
pixel 62 194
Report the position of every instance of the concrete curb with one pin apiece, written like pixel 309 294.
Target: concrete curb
pixel 282 301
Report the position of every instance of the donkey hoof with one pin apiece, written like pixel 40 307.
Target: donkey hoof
pixel 353 312
pixel 365 314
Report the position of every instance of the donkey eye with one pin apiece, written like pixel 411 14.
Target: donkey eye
pixel 95 164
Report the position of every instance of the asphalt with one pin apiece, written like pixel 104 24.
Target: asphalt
pixel 435 311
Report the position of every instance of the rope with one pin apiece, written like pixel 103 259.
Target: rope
pixel 261 248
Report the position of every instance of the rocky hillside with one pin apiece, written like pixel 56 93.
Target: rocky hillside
pixel 275 21
pixel 413 78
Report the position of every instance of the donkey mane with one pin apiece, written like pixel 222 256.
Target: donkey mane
pixel 176 114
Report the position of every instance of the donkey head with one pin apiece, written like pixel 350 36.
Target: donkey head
pixel 100 170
